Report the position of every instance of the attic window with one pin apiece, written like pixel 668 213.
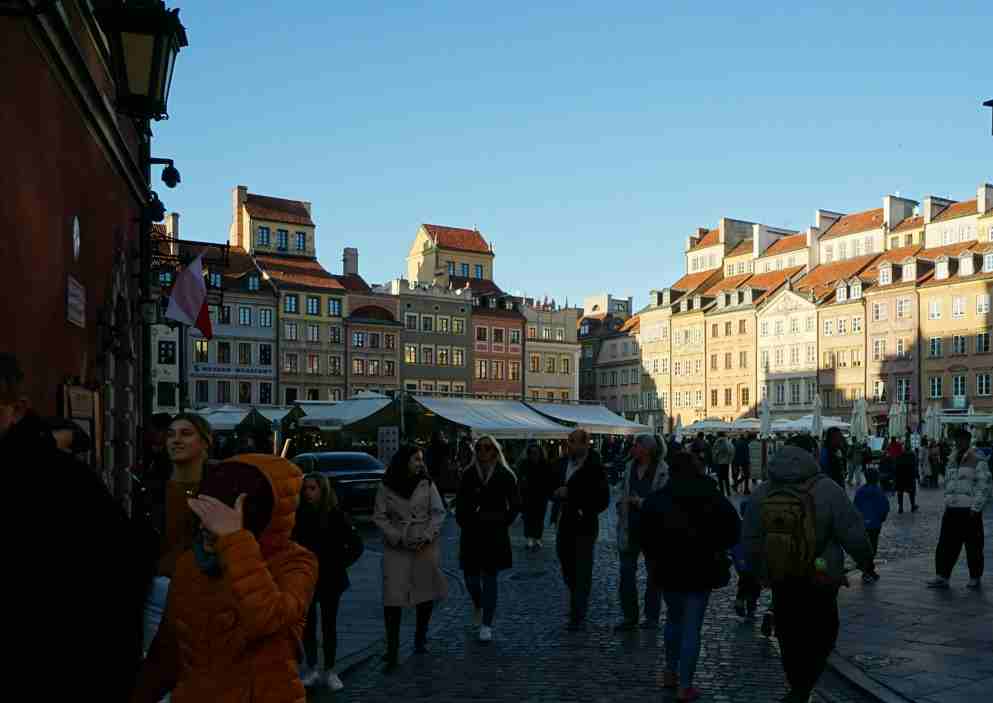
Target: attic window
pixel 941 270
pixel 253 282
pixel 966 265
pixel 493 303
pixel 885 276
pixel 909 271
pixel 842 293
pixel 988 261
pixel 856 290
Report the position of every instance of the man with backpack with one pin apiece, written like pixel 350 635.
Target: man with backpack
pixel 795 535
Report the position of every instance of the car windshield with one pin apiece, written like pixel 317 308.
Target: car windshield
pixel 347 462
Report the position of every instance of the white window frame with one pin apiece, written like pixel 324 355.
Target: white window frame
pixel 982 304
pixel 958 307
pixel 982 384
pixel 934 310
pixel 885 276
pixel 935 390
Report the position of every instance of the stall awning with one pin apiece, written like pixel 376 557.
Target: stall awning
pixel 595 419
pixel 225 417
pixel 329 414
pixel 504 419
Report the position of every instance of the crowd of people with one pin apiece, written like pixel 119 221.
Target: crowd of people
pixel 213 589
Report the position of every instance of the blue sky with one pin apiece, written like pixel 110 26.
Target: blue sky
pixel 585 140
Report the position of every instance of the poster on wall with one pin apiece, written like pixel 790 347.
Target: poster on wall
pixel 82 406
pixel 388 443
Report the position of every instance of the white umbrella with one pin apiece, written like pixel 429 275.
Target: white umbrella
pixel 816 426
pixel 678 430
pixel 860 423
pixel 765 418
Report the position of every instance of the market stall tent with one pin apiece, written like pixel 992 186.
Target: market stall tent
pixel 340 414
pixel 504 419
pixel 594 418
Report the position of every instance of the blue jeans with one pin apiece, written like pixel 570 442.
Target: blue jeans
pixel 482 587
pixel 155 603
pixel 683 621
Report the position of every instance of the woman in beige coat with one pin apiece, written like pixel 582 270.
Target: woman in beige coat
pixel 410 512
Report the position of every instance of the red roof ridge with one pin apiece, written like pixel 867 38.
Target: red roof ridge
pixel 267 207
pixel 787 244
pixel 458 238
pixel 956 210
pixel 711 238
pixel 854 224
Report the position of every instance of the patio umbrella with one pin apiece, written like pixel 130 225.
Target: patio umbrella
pixel 765 418
pixel 816 425
pixel 860 423
pixel 678 430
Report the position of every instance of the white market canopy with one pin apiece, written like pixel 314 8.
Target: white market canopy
pixel 331 414
pixel 747 424
pixel 274 414
pixel 225 417
pixel 806 424
pixel 593 418
pixel 966 419
pixel 504 419
pixel 708 425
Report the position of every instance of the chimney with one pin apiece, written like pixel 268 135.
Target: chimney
pixel 825 218
pixel 762 239
pixel 896 210
pixel 349 260
pixel 239 194
pixel 984 199
pixel 933 206
pixel 306 205
pixel 172 225
pixel 813 250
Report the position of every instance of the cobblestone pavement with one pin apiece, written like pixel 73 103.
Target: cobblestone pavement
pixel 533 658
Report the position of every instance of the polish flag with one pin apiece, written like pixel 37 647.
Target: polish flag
pixel 188 301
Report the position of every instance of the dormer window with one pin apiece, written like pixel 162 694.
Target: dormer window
pixel 988 261
pixel 856 290
pixel 493 303
pixel 841 293
pixel 885 276
pixel 966 265
pixel 253 282
pixel 909 271
pixel 941 270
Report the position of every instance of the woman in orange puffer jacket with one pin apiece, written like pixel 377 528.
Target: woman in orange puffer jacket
pixel 238 600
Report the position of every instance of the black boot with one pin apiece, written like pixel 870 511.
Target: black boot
pixel 424 611
pixel 392 655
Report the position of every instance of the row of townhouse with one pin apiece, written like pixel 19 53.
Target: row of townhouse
pixel 286 329
pixel 891 304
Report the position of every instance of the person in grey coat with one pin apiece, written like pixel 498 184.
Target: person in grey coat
pixel 807 609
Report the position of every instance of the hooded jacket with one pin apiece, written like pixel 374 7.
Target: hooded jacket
pixel 236 637
pixel 968 483
pixel 840 527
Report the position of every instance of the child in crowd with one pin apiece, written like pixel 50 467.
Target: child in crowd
pixel 875 507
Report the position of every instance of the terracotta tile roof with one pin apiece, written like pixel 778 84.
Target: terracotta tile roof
pixel 853 224
pixel 632 325
pixel 894 256
pixel 771 282
pixel 479 286
pixel 264 207
pixel 458 238
pixel 947 250
pixel 744 247
pixel 910 223
pixel 710 239
pixel 728 283
pixel 299 273
pixel 353 283
pixel 956 210
pixel 822 279
pixel 159 229
pixel 979 275
pixel 784 245
pixel 691 281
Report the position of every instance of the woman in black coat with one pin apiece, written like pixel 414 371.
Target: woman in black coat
pixel 488 503
pixel 538 479
pixel 327 531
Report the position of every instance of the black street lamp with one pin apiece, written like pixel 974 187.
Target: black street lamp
pixel 989 104
pixel 145 39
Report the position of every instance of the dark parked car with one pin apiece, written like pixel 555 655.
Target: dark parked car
pixel 355 476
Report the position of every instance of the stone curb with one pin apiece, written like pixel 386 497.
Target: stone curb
pixel 865 683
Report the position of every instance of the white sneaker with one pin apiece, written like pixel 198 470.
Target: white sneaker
pixel 485 634
pixel 539 544
pixel 334 683
pixel 477 617
pixel 530 543
pixel 973 584
pixel 311 678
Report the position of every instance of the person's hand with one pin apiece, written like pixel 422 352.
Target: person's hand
pixel 562 493
pixel 219 519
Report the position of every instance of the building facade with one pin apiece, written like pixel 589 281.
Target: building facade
pixel 655 355
pixel 731 369
pixel 498 347
pixel 787 353
pixel 618 367
pixel 551 352
pixel 372 330
pixel 435 351
pixel 459 255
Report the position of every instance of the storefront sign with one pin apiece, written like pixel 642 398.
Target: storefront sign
pixel 75 302
pixel 228 370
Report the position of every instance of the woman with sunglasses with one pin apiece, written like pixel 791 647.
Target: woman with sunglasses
pixel 488 503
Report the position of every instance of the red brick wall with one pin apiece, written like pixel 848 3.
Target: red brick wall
pixel 506 386
pixel 52 170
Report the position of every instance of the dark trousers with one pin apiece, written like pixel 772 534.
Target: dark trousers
pixel 807 628
pixel 534 519
pixel 724 478
pixel 873 539
pixel 576 559
pixel 911 493
pixel 749 590
pixel 743 476
pixel 629 588
pixel 960 526
pixel 394 614
pixel 482 587
pixel 328 598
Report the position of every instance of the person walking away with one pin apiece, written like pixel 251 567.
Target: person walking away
pixel 537 479
pixel 723 455
pixel 688 528
pixel 644 474
pixel 488 503
pixel 795 536
pixel 875 507
pixel 84 553
pixel 238 600
pixel 327 531
pixel 742 465
pixel 700 449
pixel 410 513
pixel 749 589
pixel 934 457
pixel 438 457
pixel 582 494
pixel 968 488
pixel 834 455
pixel 905 470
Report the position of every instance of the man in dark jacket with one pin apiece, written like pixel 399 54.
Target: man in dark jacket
pixel 742 465
pixel 807 609
pixel 583 494
pixel 84 580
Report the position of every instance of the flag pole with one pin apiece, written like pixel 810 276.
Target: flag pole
pixel 183 375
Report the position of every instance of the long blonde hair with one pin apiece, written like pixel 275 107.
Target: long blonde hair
pixel 501 458
pixel 329 499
